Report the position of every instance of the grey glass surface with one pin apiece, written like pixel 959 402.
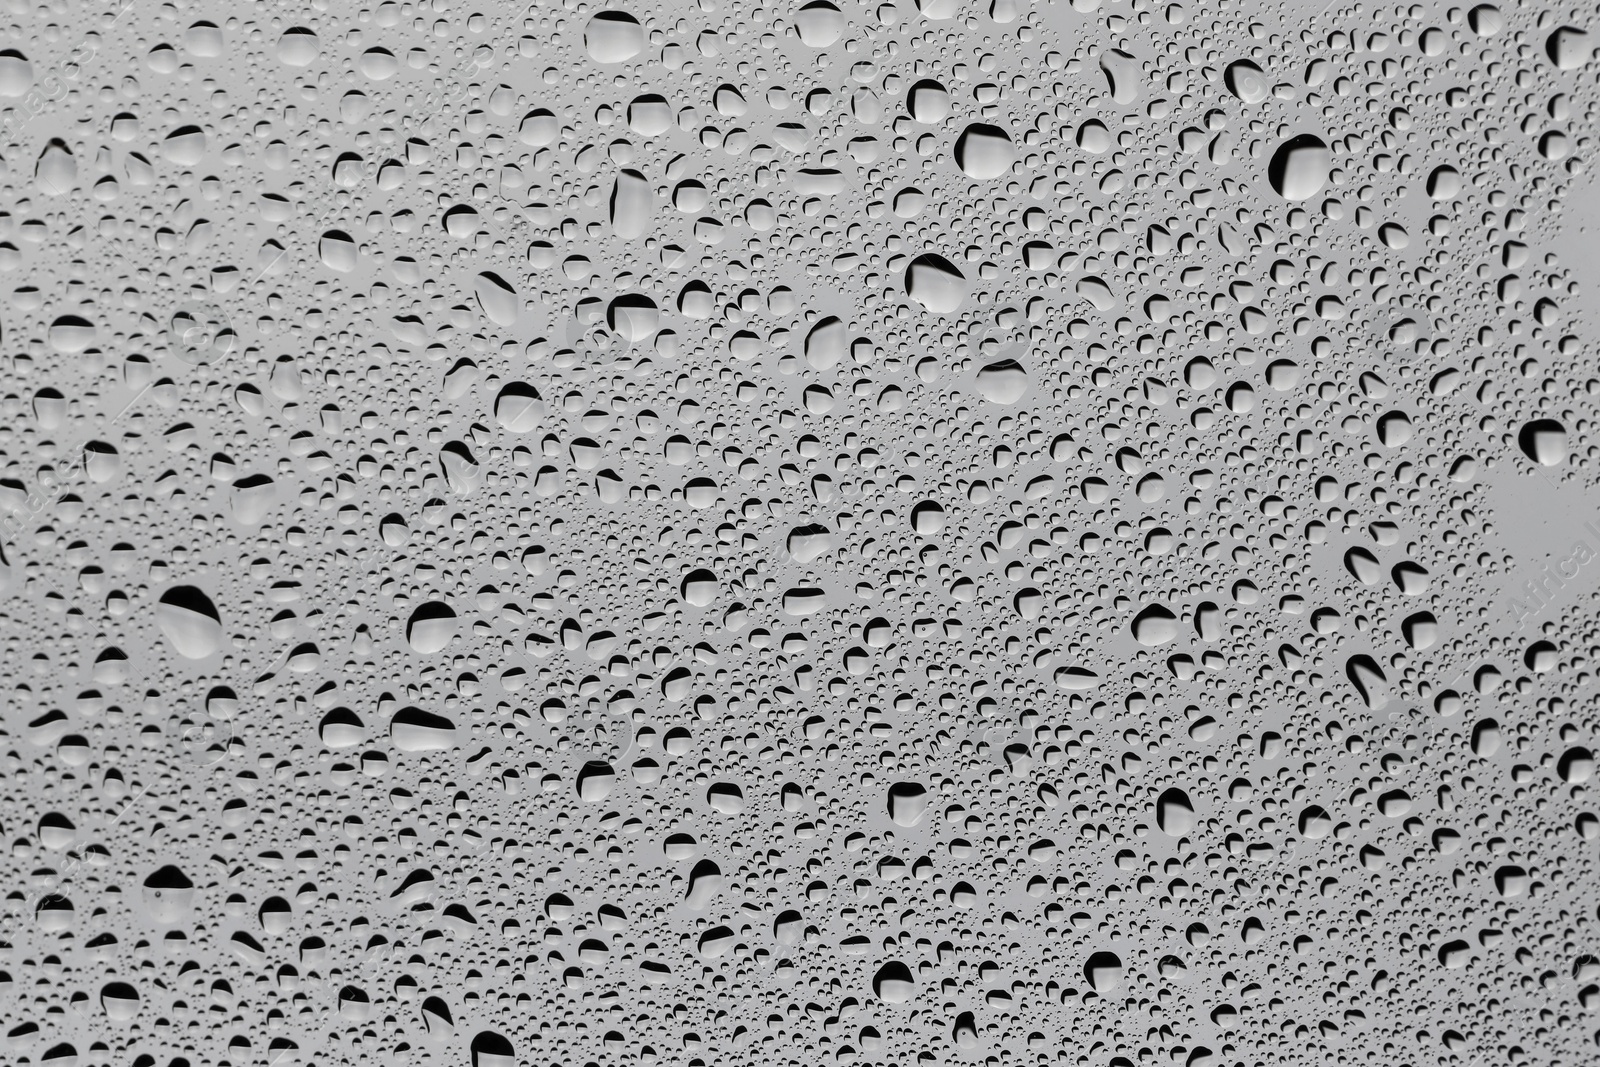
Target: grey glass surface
pixel 717 533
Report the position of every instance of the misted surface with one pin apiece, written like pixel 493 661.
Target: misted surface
pixel 708 534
